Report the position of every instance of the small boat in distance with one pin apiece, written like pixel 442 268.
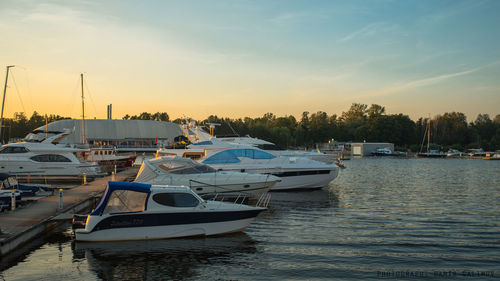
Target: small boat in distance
pixel 492 156
pixel 453 153
pixel 388 152
pixel 136 211
pixel 431 152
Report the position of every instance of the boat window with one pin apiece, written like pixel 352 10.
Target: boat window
pixel 223 157
pixel 188 170
pixel 176 199
pixel 231 156
pixel 124 201
pixel 14 149
pixel 50 158
pixel 258 154
pixel 269 147
pixel 205 169
pixel 301 173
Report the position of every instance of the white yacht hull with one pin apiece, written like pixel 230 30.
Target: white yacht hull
pixel 306 182
pixel 25 168
pixel 321 157
pixel 294 179
pixel 140 226
pixel 163 232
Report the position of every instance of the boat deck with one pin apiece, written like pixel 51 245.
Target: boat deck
pixel 23 224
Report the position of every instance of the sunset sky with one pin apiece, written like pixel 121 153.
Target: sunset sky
pixel 246 58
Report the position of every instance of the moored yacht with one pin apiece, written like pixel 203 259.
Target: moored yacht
pixel 203 179
pixel 136 211
pixel 296 173
pixel 46 159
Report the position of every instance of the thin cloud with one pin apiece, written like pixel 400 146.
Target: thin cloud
pixel 296 18
pixel 371 29
pixel 420 83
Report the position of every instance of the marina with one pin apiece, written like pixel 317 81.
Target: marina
pixel 380 217
pixel 250 140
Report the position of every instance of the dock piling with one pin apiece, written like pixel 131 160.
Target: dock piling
pixel 13 200
pixel 60 198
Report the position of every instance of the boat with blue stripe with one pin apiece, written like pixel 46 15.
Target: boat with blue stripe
pixel 137 211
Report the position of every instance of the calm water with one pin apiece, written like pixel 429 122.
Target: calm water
pixel 380 219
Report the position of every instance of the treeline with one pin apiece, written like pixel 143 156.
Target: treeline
pixel 158 116
pixel 367 123
pixel 358 124
pixel 19 126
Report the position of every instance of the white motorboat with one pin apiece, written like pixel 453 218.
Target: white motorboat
pixel 46 159
pixel 203 179
pixel 136 211
pixel 296 173
pixel 453 153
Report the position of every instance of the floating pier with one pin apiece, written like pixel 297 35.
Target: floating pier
pixel 24 224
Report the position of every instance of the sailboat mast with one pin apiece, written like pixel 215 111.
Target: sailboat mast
pixel 83 112
pixel 429 134
pixel 3 102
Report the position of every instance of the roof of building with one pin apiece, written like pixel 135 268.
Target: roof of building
pixel 106 129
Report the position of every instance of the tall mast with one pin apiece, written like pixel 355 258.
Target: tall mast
pixel 83 112
pixel 3 102
pixel 429 134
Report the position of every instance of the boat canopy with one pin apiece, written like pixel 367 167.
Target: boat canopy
pixel 178 165
pixel 4 176
pixel 122 197
pixel 231 156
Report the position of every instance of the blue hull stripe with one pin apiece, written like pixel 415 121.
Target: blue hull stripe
pixel 165 219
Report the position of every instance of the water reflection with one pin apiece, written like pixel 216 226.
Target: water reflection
pixel 316 199
pixel 176 259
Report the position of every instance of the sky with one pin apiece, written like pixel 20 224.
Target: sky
pixel 242 58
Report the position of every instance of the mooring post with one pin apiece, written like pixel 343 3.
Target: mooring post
pixel 113 175
pixel 84 178
pixel 60 198
pixel 13 200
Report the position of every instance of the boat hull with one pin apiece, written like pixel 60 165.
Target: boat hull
pixel 430 155
pixel 294 179
pixel 166 225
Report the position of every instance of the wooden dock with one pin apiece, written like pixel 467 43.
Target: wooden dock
pixel 24 224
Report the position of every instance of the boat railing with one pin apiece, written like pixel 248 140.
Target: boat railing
pixel 263 200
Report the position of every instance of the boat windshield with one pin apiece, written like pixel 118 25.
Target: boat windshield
pixel 196 169
pixel 124 201
pixel 231 156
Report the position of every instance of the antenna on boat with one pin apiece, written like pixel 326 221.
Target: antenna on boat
pixel 83 112
pixel 3 102
pixel 212 128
